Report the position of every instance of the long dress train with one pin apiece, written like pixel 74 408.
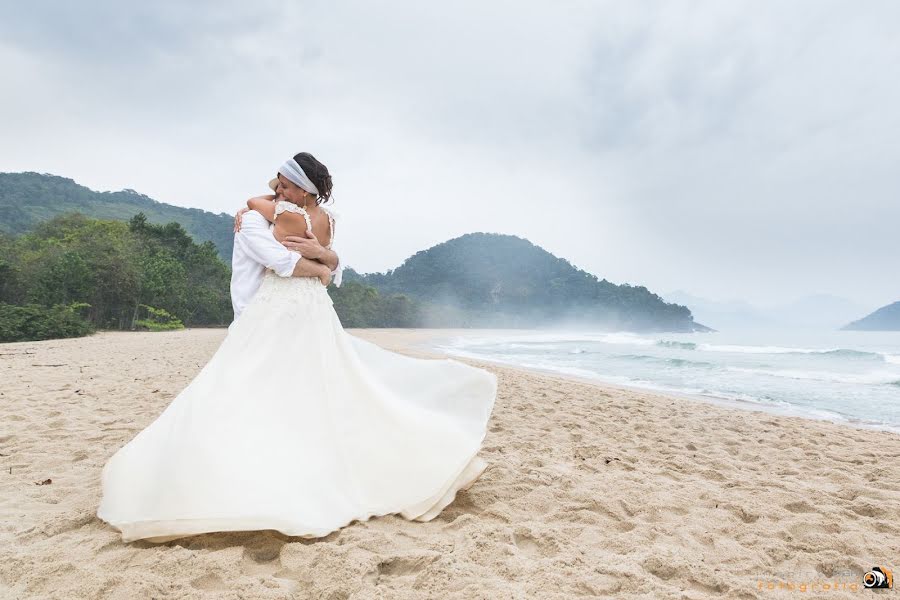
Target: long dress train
pixel 296 425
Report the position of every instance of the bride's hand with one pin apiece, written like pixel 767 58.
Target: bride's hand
pixel 237 219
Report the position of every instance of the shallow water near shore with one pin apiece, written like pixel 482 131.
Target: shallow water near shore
pixel 843 376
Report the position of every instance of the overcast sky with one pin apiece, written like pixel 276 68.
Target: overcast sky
pixel 730 149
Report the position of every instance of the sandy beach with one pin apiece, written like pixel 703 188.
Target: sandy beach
pixel 591 491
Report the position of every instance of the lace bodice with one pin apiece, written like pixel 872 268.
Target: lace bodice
pixel 290 293
pixel 285 206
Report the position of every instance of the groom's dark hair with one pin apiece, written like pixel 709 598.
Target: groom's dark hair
pixel 317 173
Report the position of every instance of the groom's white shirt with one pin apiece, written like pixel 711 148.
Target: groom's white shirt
pixel 255 249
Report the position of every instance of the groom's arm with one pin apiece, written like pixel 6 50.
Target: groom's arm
pixel 337 272
pixel 329 258
pixel 307 268
pixel 326 256
pixel 259 244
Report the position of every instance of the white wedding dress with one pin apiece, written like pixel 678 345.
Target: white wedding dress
pixel 296 425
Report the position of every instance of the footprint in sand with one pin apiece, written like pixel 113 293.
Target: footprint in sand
pixel 799 507
pixel 400 566
pixel 209 583
pixel 534 547
pixel 263 559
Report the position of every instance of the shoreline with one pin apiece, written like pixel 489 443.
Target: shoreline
pixel 420 339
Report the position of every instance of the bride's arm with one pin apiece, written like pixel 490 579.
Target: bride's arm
pixel 264 205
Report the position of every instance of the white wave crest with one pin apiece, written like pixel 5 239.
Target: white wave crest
pixel 870 378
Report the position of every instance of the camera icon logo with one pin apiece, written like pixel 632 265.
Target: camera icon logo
pixel 878 578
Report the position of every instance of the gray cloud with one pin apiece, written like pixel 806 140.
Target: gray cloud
pixel 731 149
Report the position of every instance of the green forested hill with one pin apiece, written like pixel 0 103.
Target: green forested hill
pixel 886 318
pixel 494 280
pixel 27 199
pixel 476 280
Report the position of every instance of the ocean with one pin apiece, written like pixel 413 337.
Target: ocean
pixel 842 376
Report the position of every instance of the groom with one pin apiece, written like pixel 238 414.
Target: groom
pixel 256 249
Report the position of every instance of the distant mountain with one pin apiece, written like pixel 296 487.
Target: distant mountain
pixel 820 311
pixel 816 311
pixel 886 318
pixel 723 315
pixel 27 199
pixel 494 280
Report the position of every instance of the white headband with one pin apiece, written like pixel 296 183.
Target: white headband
pixel 295 173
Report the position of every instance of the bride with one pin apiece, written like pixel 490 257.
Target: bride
pixel 294 424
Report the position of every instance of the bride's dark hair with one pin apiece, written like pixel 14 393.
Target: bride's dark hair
pixel 317 173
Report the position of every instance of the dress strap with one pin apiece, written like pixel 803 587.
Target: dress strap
pixel 330 231
pixel 331 218
pixel 285 206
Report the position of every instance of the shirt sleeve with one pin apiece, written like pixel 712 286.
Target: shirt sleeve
pixel 259 244
pixel 338 272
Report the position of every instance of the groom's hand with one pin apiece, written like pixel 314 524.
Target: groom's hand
pixel 325 275
pixel 307 246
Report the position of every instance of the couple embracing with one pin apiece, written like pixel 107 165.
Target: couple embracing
pixel 295 425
